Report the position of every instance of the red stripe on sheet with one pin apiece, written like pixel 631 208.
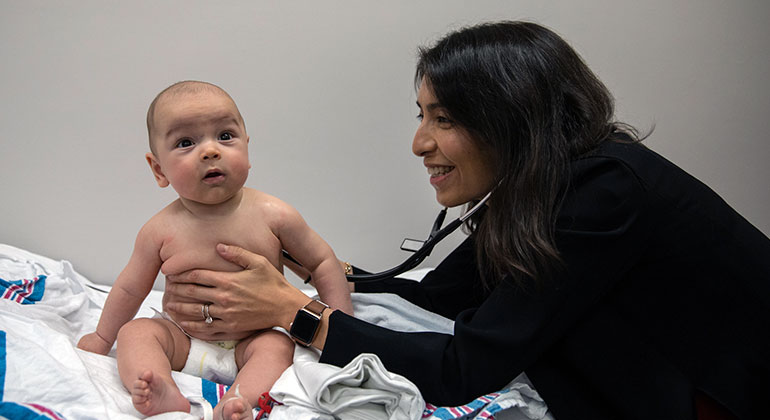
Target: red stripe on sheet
pixel 17 292
pixel 11 292
pixel 29 287
pixel 47 411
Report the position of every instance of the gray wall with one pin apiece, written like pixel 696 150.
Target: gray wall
pixel 326 91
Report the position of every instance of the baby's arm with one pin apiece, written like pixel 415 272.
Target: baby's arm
pixel 304 244
pixel 130 288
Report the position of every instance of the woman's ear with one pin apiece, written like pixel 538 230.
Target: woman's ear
pixel 157 171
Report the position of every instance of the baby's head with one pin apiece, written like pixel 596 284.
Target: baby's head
pixel 198 142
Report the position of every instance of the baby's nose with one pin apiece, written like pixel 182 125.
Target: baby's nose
pixel 210 153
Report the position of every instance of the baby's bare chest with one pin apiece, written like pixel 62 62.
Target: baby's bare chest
pixel 191 244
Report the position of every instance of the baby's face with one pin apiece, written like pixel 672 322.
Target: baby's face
pixel 201 146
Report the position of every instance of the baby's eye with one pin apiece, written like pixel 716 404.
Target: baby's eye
pixel 225 136
pixel 184 143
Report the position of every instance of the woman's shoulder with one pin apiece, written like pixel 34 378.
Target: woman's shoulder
pixel 635 162
pixel 630 178
pixel 611 166
pixel 604 190
pixel 634 156
pixel 655 173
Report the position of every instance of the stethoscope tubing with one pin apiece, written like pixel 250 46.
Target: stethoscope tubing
pixel 413 261
pixel 437 235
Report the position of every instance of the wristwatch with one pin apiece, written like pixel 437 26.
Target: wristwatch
pixel 305 326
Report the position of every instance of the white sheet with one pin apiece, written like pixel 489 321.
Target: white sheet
pixel 46 306
pixel 308 387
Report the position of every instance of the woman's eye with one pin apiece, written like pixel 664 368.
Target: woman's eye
pixel 419 117
pixel 444 120
pixel 184 143
pixel 225 136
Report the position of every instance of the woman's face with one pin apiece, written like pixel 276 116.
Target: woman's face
pixel 459 170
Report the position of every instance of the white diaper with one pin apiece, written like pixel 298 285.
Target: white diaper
pixel 212 361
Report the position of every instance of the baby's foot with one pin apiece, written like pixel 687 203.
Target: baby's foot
pixel 152 396
pixel 236 408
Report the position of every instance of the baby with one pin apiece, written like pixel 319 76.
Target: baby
pixel 199 146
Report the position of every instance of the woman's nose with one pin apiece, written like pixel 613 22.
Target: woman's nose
pixel 423 142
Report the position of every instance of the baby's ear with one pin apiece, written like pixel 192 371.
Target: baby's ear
pixel 157 171
pixel 247 142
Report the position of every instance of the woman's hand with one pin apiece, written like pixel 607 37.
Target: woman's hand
pixel 256 298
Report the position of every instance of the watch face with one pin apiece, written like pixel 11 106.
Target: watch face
pixel 304 326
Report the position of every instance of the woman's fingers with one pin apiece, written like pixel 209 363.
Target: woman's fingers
pixel 240 256
pixel 186 292
pixel 193 327
pixel 255 298
pixel 191 311
pixel 196 277
pixel 192 317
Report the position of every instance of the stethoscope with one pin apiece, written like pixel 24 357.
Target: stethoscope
pixel 436 235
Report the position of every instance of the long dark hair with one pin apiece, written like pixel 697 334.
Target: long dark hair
pixel 525 95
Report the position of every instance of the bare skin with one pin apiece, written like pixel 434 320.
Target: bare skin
pixel 151 395
pixel 236 408
pixel 148 379
pixel 254 373
pixel 260 358
pixel 255 298
pixel 200 149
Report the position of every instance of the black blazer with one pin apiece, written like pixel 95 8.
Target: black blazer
pixel 666 292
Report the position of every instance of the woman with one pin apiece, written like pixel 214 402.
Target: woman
pixel 621 286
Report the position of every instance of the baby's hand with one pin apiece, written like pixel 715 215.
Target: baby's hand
pixel 94 343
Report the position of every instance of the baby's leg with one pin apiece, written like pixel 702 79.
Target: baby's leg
pixel 261 359
pixel 148 349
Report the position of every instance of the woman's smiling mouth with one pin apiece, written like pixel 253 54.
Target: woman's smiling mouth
pixel 439 173
pixel 434 171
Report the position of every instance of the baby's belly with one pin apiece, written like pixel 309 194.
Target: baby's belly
pixel 182 262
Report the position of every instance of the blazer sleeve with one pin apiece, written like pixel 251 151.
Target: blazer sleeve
pixel 511 328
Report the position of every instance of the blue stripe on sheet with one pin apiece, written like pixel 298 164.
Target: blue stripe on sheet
pixel 210 391
pixel 463 412
pixel 2 364
pixel 23 291
pixel 491 411
pixel 9 410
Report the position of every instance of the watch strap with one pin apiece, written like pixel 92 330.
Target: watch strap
pixel 315 307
